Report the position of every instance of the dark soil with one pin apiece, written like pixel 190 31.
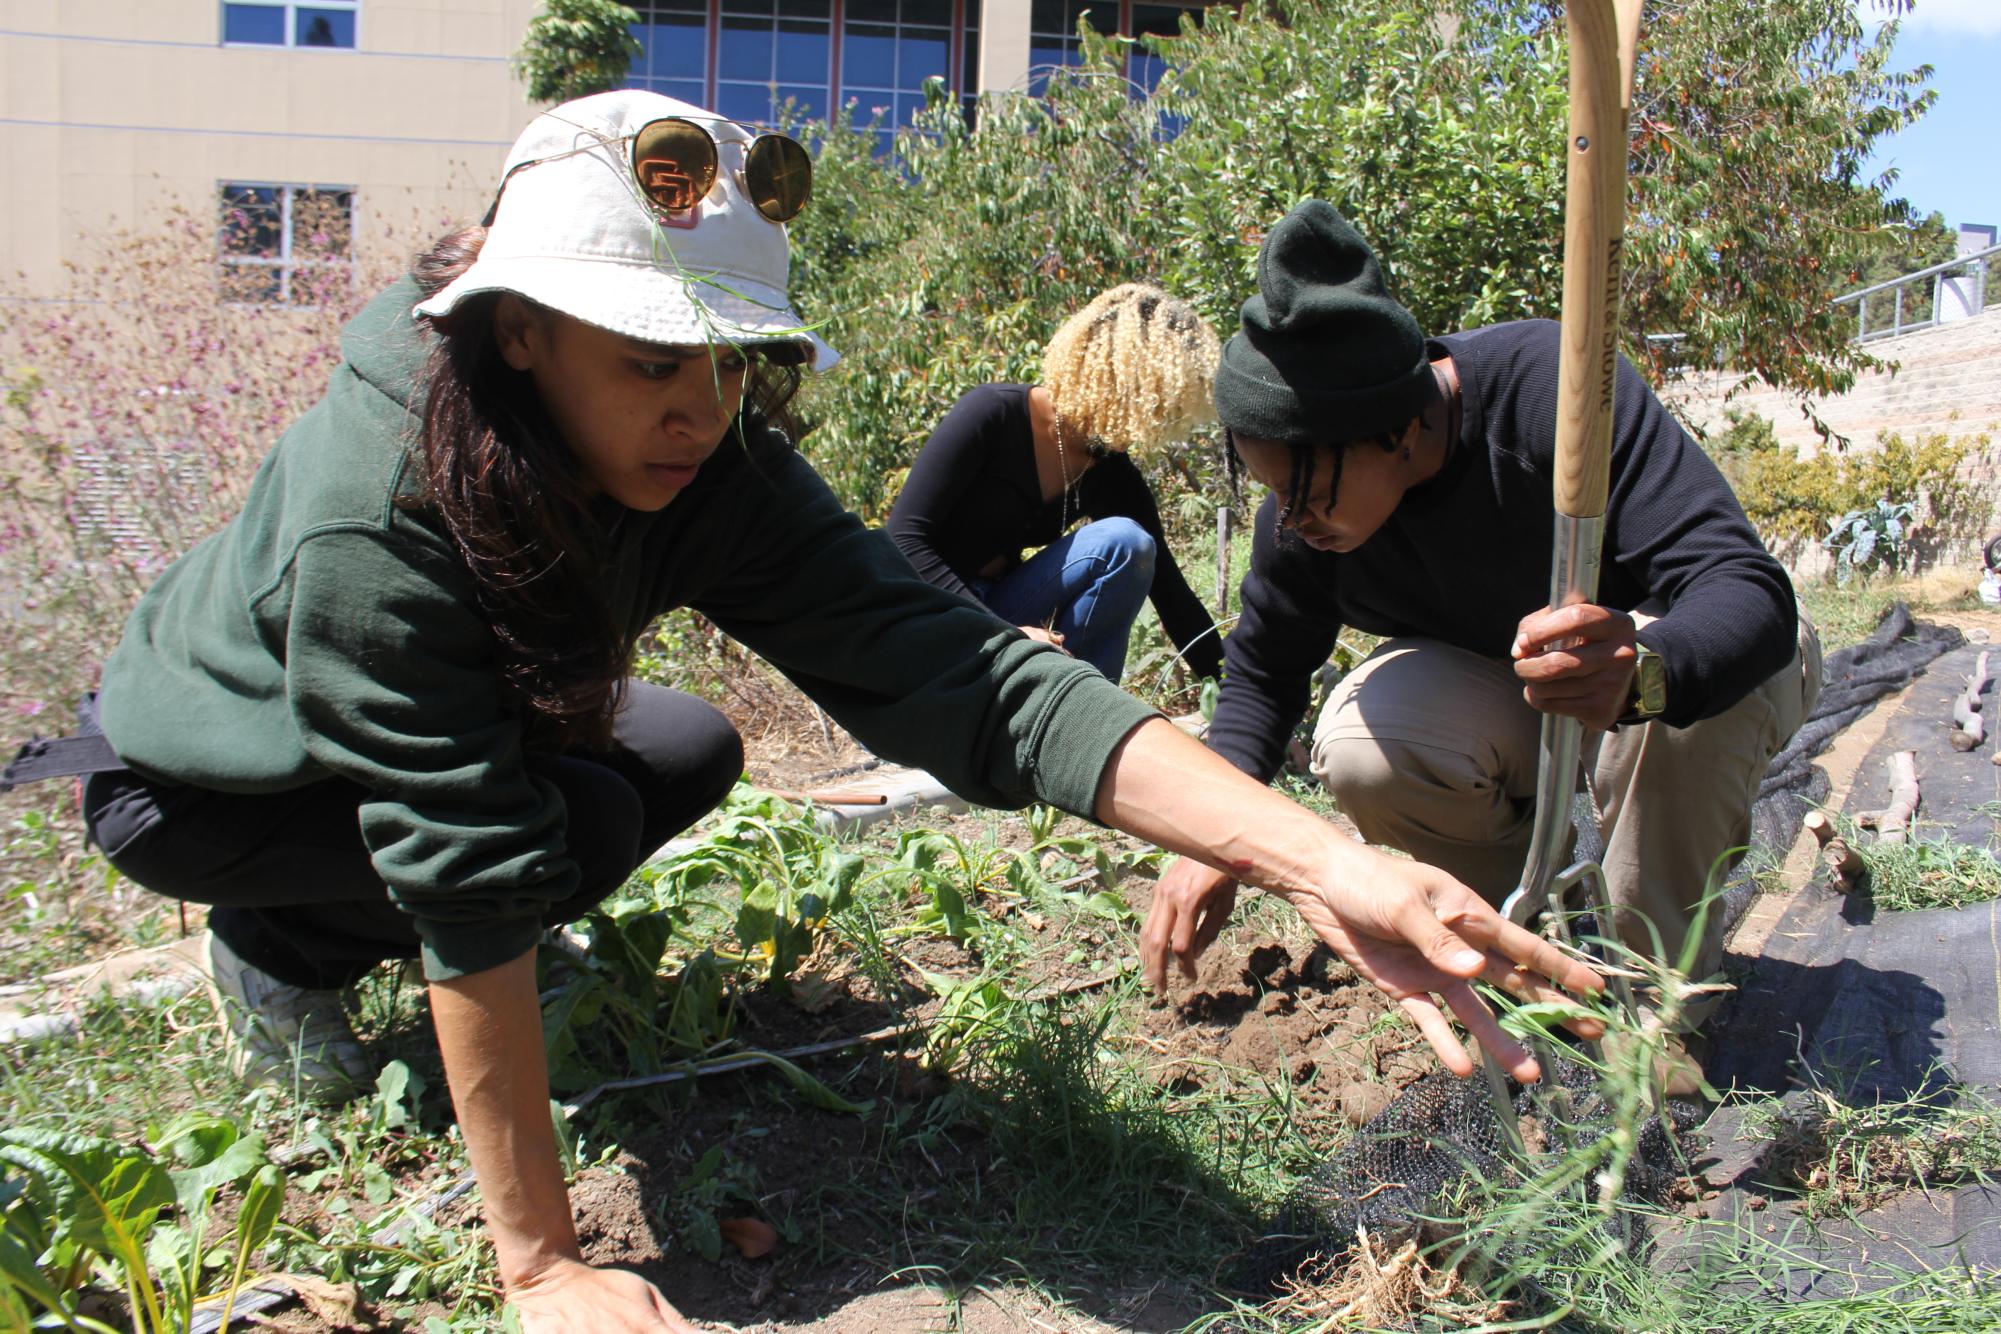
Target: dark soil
pixel 1291 1011
pixel 848 1197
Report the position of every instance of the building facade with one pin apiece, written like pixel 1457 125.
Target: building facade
pixel 397 112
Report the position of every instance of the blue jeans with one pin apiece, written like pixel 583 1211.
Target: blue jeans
pixel 1093 582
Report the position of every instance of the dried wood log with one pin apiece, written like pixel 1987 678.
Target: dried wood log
pixel 1893 822
pixel 1844 864
pixel 1968 728
pixel 1820 826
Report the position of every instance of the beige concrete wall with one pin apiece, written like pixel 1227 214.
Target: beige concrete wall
pixel 1004 26
pixel 1948 381
pixel 109 107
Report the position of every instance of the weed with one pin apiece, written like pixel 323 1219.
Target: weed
pixel 1931 873
pixel 1841 1157
pixel 366 1138
pixel 718 1186
pixel 790 876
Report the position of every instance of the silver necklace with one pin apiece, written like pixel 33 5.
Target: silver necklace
pixel 1062 466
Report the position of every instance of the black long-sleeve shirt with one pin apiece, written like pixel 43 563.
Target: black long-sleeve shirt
pixel 1466 555
pixel 973 494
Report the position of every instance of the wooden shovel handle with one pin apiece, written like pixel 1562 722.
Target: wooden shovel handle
pixel 1604 40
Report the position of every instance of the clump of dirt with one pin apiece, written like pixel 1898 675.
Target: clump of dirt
pixel 1290 1011
pixel 612 1226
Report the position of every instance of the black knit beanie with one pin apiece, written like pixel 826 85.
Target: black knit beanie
pixel 1324 354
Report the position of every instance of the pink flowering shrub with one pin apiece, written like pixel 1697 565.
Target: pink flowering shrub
pixel 134 408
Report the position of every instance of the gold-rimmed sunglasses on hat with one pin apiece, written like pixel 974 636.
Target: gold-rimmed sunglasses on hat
pixel 675 162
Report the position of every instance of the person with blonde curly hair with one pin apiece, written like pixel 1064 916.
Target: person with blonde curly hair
pixel 1012 466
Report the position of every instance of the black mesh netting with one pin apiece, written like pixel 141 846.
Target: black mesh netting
pixel 1856 677
pixel 1403 1167
pixel 1440 1133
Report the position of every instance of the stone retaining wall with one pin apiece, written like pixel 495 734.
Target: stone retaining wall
pixel 1947 381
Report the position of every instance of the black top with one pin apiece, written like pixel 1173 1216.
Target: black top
pixel 973 494
pixel 1466 555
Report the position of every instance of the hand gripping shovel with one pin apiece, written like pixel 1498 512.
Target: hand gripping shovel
pixel 1604 37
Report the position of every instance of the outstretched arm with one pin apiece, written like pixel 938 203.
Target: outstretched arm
pixel 1410 929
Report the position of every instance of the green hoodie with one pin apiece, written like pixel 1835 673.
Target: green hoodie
pixel 330 630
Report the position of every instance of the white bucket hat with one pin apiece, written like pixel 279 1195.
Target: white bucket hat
pixel 573 231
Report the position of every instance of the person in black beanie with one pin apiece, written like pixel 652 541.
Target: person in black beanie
pixel 1411 491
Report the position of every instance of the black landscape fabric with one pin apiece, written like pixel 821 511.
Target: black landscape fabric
pixel 1440 1132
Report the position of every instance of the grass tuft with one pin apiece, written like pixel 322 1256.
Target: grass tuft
pixel 1842 1158
pixel 1934 873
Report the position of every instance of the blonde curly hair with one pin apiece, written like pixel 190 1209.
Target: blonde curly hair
pixel 1133 370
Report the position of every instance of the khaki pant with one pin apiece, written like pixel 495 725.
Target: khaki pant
pixel 1433 750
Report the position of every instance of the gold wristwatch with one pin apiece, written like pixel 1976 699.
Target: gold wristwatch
pixel 1649 698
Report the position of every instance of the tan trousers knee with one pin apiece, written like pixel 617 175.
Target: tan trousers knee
pixel 1433 750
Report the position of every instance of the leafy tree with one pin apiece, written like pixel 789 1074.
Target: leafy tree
pixel 1437 129
pixel 1436 124
pixel 575 48
pixel 1892 254
pixel 949 263
pixel 1751 125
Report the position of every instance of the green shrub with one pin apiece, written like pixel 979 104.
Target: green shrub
pixel 948 264
pixel 1794 500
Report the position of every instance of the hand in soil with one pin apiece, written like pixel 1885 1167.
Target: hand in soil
pixel 1191 905
pixel 1420 936
pixel 1409 929
pixel 1577 661
pixel 570 1297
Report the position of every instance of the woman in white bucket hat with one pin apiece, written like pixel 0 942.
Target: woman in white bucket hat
pixel 385 713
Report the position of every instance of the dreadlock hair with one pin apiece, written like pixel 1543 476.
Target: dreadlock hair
pixel 523 516
pixel 1302 454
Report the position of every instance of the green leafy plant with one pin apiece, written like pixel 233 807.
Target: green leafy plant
pixel 1863 539
pixel 948 874
pixel 366 1137
pixel 970 1011
pixel 790 876
pixel 1793 500
pixel 768 877
pixel 1077 867
pixel 718 1185
pixel 83 1213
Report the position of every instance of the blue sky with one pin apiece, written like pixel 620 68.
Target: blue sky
pixel 1951 160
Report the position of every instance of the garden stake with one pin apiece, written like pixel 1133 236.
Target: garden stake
pixel 1604 41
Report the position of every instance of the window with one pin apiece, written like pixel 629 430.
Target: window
pixel 771 50
pixel 753 56
pixel 285 244
pixel 673 37
pixel 270 23
pixel 1053 41
pixel 1052 36
pixel 888 49
pixel 1154 20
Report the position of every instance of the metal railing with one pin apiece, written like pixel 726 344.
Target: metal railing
pixel 1961 281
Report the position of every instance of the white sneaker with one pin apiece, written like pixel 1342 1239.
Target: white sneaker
pixel 286 1035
